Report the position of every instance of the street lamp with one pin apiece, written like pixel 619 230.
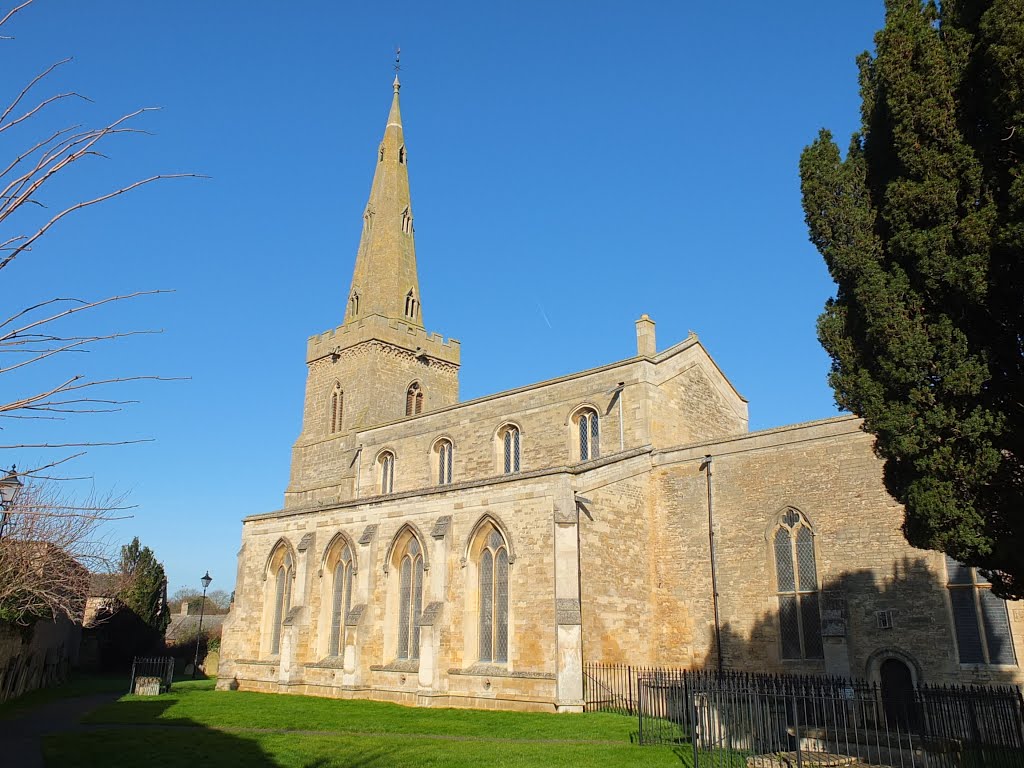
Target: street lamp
pixel 202 609
pixel 10 487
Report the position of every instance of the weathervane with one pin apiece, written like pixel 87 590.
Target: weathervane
pixel 398 57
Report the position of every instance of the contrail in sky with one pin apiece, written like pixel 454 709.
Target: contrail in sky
pixel 544 315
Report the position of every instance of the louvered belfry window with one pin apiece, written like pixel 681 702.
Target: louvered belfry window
pixel 337 408
pixel 980 620
pixel 341 600
pixel 410 601
pixel 796 580
pixel 510 449
pixel 494 600
pixel 590 446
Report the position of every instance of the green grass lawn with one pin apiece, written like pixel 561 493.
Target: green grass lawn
pixel 196 726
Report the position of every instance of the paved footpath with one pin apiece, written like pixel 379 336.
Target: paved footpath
pixel 21 738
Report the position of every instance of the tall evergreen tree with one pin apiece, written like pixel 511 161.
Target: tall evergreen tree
pixel 145 590
pixel 922 228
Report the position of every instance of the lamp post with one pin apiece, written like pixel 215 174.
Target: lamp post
pixel 199 635
pixel 10 487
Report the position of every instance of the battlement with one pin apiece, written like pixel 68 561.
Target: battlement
pixel 387 330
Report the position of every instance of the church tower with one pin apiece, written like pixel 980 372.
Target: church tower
pixel 380 365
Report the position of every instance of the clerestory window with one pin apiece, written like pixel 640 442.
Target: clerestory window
pixel 443 450
pixel 386 472
pixel 509 449
pixel 585 427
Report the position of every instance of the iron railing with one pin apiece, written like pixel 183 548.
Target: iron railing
pixel 780 721
pixel 161 667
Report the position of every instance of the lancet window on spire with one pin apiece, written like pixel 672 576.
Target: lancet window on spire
pixel 406 221
pixel 411 305
pixel 382 153
pixel 401 154
pixel 353 304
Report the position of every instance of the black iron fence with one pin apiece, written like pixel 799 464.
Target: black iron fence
pixel 150 667
pixel 776 721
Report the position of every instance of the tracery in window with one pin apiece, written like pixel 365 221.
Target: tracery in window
pixel 443 450
pixel 337 408
pixel 282 568
pixel 796 580
pixel 414 399
pixel 386 472
pixel 980 620
pixel 508 441
pixel 493 609
pixel 585 429
pixel 410 600
pixel 341 569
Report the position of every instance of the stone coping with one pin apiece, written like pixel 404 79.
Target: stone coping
pixel 491 670
pixel 403 665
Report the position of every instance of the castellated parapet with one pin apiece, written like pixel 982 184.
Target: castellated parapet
pixel 387 330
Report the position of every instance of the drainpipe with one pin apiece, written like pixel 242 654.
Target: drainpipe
pixel 706 466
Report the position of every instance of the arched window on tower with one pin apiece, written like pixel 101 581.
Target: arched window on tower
pixel 443 450
pixel 585 431
pixel 508 448
pixel 337 408
pixel 410 600
pixel 796 578
pixel 386 472
pixel 493 570
pixel 414 399
pixel 341 599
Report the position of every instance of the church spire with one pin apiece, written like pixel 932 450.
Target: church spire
pixel 384 281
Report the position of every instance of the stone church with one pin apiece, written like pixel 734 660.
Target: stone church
pixel 480 553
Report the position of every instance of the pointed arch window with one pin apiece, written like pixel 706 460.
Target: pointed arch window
pixel 386 472
pixel 341 600
pixel 796 579
pixel 493 569
pixel 443 450
pixel 353 304
pixel 282 596
pixel 410 600
pixel 401 154
pixel 980 620
pixel 407 222
pixel 508 441
pixel 585 428
pixel 381 153
pixel 337 408
pixel 414 399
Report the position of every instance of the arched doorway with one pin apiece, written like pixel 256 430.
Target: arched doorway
pixel 897 687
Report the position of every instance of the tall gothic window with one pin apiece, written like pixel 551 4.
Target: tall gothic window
pixel 386 470
pixel 494 599
pixel 353 303
pixel 337 408
pixel 407 229
pixel 414 399
pixel 979 617
pixel 282 568
pixel 586 428
pixel 410 600
pixel 443 450
pixel 797 586
pixel 508 437
pixel 341 600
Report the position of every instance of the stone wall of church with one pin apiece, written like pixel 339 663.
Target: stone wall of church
pixel 829 473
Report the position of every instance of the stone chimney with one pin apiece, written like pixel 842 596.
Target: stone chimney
pixel 645 344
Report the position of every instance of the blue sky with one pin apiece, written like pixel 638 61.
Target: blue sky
pixel 573 165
